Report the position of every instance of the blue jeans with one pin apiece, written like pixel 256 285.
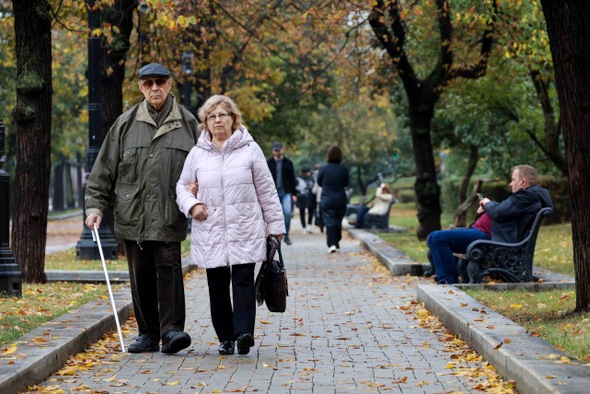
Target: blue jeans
pixel 287 204
pixel 444 243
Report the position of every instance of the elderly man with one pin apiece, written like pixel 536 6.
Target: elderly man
pixel 508 221
pixel 140 162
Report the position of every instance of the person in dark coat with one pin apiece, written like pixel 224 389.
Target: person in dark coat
pixel 305 198
pixel 507 221
pixel 333 178
pixel 283 173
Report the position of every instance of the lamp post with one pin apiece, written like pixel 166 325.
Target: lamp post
pixel 11 278
pixel 86 248
pixel 187 69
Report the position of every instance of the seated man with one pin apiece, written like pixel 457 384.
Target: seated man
pixel 508 221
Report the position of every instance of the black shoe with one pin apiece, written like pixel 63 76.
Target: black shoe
pixel 245 341
pixel 287 240
pixel 174 341
pixel 428 273
pixel 227 347
pixel 144 344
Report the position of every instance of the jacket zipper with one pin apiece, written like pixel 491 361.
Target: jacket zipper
pixel 223 202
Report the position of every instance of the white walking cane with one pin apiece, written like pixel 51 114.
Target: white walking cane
pixel 96 239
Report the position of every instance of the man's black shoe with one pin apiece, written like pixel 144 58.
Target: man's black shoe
pixel 245 341
pixel 144 344
pixel 174 341
pixel 287 240
pixel 227 347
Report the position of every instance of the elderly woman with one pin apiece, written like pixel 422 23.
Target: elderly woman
pixel 333 179
pixel 236 204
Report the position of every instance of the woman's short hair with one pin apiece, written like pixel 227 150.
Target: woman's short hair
pixel 527 172
pixel 210 106
pixel 334 154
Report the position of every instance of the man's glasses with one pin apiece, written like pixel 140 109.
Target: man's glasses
pixel 222 116
pixel 148 83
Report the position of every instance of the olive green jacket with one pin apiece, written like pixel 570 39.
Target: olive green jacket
pixel 139 165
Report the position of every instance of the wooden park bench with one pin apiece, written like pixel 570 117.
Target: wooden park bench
pixel 499 260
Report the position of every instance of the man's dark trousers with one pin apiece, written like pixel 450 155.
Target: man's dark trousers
pixel 229 322
pixel 155 273
pixel 444 243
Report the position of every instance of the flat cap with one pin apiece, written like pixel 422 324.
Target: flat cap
pixel 154 70
pixel 277 146
pixel 305 169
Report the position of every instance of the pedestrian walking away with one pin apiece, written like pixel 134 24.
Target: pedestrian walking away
pixel 333 178
pixel 283 173
pixel 235 205
pixel 141 160
pixel 305 198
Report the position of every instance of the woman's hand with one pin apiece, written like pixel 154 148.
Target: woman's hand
pixel 199 212
pixel 279 237
pixel 193 188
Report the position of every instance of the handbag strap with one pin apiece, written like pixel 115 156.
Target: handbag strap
pixel 281 261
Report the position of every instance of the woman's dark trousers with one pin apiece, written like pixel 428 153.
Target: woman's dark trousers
pixel 334 234
pixel 229 322
pixel 157 289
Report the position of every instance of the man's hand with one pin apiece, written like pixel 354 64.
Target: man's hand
pixel 199 212
pixel 481 205
pixel 90 220
pixel 294 198
pixel 193 188
pixel 279 237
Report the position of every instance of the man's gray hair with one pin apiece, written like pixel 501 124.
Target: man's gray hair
pixel 527 172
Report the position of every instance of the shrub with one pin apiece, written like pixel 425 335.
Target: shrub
pixel 406 195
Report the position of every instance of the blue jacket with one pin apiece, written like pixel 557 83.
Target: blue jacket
pixel 513 217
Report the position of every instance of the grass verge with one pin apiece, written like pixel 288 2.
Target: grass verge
pixel 549 314
pixel 65 212
pixel 42 303
pixel 553 251
pixel 67 260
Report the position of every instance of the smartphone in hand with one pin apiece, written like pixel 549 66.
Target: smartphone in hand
pixel 479 196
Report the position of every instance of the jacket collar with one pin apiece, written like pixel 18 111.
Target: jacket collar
pixel 239 138
pixel 172 121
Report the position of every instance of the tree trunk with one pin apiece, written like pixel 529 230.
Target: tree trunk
pixel 32 116
pixel 471 164
pixel 426 186
pixel 568 27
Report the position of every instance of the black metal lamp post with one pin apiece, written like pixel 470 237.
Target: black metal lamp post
pixel 11 278
pixel 86 248
pixel 187 70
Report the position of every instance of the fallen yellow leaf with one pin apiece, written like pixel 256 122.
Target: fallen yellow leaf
pixel 10 350
pixel 265 321
pixel 173 384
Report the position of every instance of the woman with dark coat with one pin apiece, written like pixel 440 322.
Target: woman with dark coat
pixel 333 178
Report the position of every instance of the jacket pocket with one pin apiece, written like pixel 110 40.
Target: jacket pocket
pixel 127 205
pixel 128 164
pixel 172 213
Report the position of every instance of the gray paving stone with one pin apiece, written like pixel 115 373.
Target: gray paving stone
pixel 342 324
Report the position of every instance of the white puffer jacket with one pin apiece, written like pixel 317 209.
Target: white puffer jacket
pixel 237 188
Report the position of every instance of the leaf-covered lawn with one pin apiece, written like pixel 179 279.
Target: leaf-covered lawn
pixel 42 303
pixel 549 314
pixel 553 250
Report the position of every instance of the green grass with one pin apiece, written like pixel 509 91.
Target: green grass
pixel 67 260
pixel 42 303
pixel 549 314
pixel 553 250
pixel 404 215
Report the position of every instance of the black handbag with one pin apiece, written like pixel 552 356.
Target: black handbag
pixel 271 282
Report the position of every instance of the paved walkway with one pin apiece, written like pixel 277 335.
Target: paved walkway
pixel 349 328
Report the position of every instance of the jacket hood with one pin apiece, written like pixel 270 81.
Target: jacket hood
pixel 543 194
pixel 239 138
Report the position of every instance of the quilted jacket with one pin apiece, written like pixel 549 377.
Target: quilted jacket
pixel 242 202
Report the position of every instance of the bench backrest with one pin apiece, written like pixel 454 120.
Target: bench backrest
pixel 531 239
